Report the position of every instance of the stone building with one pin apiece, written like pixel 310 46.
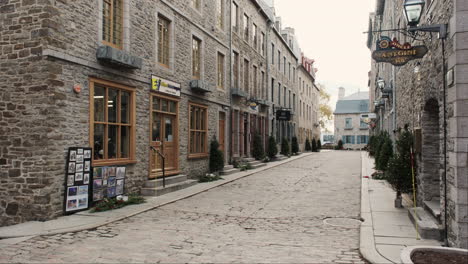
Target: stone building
pixel 415 95
pixel 134 80
pixel 349 114
pixel 307 109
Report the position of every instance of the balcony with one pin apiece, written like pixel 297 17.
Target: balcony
pixel 239 93
pixel 200 86
pixel 118 57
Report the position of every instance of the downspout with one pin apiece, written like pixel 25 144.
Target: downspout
pixel 231 81
pixel 267 81
pixel 394 90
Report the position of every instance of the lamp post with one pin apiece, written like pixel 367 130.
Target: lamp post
pixel 413 12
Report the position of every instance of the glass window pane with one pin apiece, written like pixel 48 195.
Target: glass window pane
pixel 112 142
pixel 156 134
pixel 98 141
pixel 172 107
pixel 202 142
pixel 202 119
pixel 192 118
pixel 99 97
pixel 124 107
pixel 156 103
pixel 164 105
pixel 125 142
pixel 192 142
pixel 197 117
pixel 112 106
pixel 168 130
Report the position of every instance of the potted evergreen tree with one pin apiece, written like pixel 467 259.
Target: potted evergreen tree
pixel 258 152
pixel 308 147
pixel 285 147
pixel 314 145
pixel 319 144
pixel 272 148
pixel 216 157
pixel 294 146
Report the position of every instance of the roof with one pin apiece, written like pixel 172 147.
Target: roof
pixel 353 104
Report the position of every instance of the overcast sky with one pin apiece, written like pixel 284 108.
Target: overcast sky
pixel 331 32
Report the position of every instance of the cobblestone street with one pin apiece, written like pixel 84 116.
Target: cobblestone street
pixel 305 211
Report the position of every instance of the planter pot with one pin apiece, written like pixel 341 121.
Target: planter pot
pixel 408 252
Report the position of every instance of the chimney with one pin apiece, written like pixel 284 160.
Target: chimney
pixel 341 93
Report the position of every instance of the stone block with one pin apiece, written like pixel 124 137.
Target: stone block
pixel 461 5
pixel 461 74
pixel 461 108
pixel 460 41
pixel 461 21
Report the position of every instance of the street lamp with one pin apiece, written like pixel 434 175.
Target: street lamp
pixel 413 11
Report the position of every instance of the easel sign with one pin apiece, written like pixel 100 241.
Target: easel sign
pixel 78 180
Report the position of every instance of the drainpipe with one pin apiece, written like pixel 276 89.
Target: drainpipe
pixel 231 81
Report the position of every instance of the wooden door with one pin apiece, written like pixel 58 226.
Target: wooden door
pixel 222 134
pixel 164 137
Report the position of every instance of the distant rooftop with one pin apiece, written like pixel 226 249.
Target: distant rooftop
pixel 353 104
pixel 358 96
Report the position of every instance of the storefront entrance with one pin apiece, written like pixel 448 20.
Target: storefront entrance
pixel 164 136
pixel 222 133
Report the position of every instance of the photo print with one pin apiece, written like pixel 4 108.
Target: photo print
pixel 79 167
pixel 120 172
pixel 120 187
pixel 83 190
pixel 97 173
pixel 112 171
pixel 87 166
pixel 97 195
pixel 79 176
pixel 111 181
pixel 72 191
pixel 105 173
pixel 72 204
pixel 80 151
pixel 111 192
pixel 71 180
pixel 87 154
pixel 86 178
pixel 97 184
pixel 73 155
pixel 83 202
pixel 79 158
pixel 71 167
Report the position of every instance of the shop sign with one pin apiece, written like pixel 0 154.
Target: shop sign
pixel 397 54
pixel 164 86
pixel 283 115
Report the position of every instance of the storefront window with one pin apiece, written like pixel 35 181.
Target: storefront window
pixel 198 131
pixel 112 124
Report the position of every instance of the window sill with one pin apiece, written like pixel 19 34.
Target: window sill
pixel 348 128
pixel 100 163
pixel 198 156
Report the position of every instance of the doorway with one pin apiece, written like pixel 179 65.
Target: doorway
pixel 222 133
pixel 164 139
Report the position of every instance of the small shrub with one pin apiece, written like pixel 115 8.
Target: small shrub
pixel 113 203
pixel 216 157
pixel 319 144
pixel 340 144
pixel 294 146
pixel 258 151
pixel 209 177
pixel 285 147
pixel 272 148
pixel 385 153
pixel 308 147
pixel 314 145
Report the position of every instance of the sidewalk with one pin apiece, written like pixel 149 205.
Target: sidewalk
pixel 86 220
pixel 386 230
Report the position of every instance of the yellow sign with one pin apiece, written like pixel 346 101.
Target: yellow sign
pixel 164 86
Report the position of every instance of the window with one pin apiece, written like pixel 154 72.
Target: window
pixel 284 65
pixel 255 36
pixel 235 17
pixel 220 14
pixel 272 53
pixel 284 98
pixel 348 123
pixel 246 75
pixel 289 99
pixel 300 107
pixel 112 23
pixel 255 88
pixel 220 71
pixel 294 102
pixel 246 27
pixel 262 86
pixel 236 69
pixel 196 58
pixel 279 60
pixel 198 129
pixel 294 75
pixel 272 89
pixel 163 41
pixel 279 93
pixel 362 139
pixel 348 139
pixel 289 71
pixel 112 126
pixel 196 4
pixel 262 44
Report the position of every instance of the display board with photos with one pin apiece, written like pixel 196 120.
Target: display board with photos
pixel 108 182
pixel 78 181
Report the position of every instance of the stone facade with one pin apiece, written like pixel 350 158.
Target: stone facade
pixel 48 48
pixel 355 131
pixel 419 102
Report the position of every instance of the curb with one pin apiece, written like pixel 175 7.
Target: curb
pixel 204 187
pixel 366 238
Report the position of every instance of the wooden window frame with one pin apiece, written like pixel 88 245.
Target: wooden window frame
pixel 111 4
pixel 196 58
pixel 220 14
pixel 204 154
pixel 131 124
pixel 164 43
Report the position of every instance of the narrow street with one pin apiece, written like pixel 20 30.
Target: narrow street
pixel 305 211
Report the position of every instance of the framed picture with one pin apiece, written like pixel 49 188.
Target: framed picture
pixel 87 154
pixel 111 182
pixel 73 155
pixel 119 190
pixel 80 151
pixel 87 165
pixel 97 173
pixel 83 190
pixel 97 184
pixel 71 180
pixel 72 191
pixel 83 202
pixel 72 204
pixel 112 171
pixel 120 173
pixel 79 158
pixel 71 167
pixel 97 195
pixel 79 176
pixel 79 167
pixel 86 178
pixel 111 192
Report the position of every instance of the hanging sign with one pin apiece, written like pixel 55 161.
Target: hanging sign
pixel 78 179
pixel 283 115
pixel 164 86
pixel 397 54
